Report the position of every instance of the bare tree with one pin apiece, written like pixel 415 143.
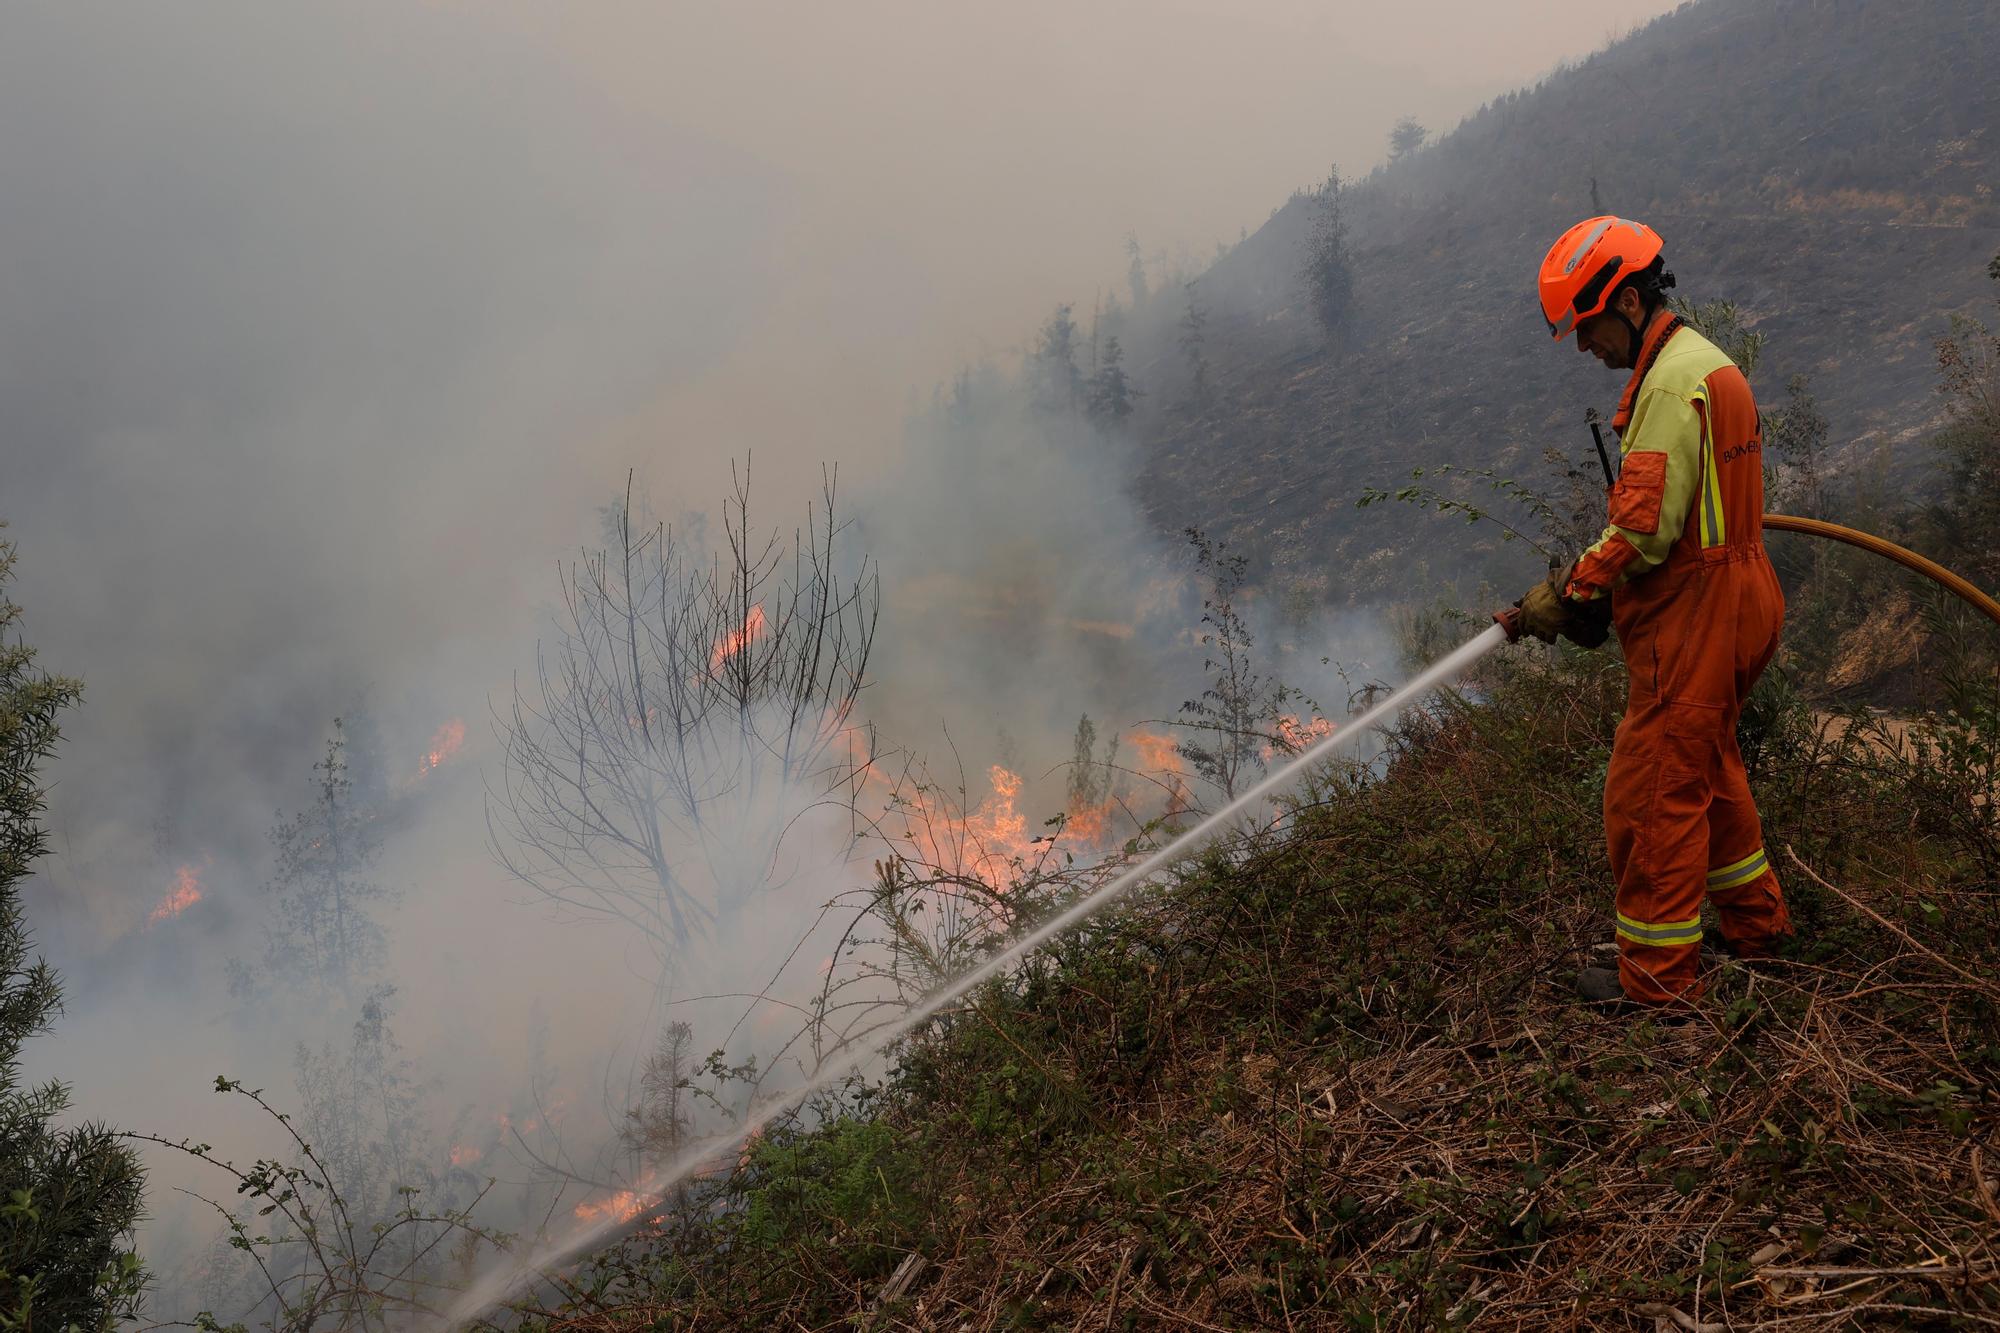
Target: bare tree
pixel 1235 720
pixel 689 710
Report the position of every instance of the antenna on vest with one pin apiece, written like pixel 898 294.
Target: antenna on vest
pixel 1603 459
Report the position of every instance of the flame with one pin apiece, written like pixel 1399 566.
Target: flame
pixel 992 841
pixel 983 843
pixel 1089 824
pixel 464 1154
pixel 737 640
pixel 620 1206
pixel 185 894
pixel 1157 753
pixel 445 743
pixel 1160 756
pixel 1294 735
pixel 995 833
pixel 997 821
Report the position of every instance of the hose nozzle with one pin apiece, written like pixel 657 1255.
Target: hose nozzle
pixel 1510 621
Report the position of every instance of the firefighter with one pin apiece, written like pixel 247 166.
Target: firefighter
pixel 1681 573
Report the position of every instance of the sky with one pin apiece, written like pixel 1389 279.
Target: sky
pixel 327 329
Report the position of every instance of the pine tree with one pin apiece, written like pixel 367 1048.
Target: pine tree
pixel 1406 138
pixel 1328 275
pixel 1058 384
pixel 1109 394
pixel 1797 434
pixel 68 1197
pixel 1968 360
pixel 322 932
pixel 1135 272
pixel 1194 324
pixel 655 1129
pixel 1083 775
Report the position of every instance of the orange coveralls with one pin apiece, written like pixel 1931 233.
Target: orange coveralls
pixel 1697 608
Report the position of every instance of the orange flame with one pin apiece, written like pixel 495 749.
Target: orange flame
pixel 464 1154
pixel 445 743
pixel 995 834
pixel 1160 755
pixel 983 843
pixel 737 640
pixel 1089 824
pixel 185 894
pixel 996 821
pixel 623 1207
pixel 1294 735
pixel 1157 753
pixel 992 842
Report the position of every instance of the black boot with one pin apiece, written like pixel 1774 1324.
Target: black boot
pixel 1600 985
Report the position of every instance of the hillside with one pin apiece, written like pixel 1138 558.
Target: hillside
pixel 1341 1082
pixel 1829 165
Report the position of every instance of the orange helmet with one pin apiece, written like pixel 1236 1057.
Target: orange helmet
pixel 1585 265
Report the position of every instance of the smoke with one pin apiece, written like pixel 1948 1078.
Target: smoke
pixel 326 332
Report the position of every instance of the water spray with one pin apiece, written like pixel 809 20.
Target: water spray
pixel 505 1285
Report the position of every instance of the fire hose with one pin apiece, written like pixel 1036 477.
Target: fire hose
pixel 1908 559
pixel 500 1287
pixel 1510 619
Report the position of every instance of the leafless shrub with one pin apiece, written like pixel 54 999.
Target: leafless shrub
pixel 688 711
pixel 320 1254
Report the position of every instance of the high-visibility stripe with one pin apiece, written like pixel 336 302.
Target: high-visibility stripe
pixel 1660 933
pixel 1739 872
pixel 1583 246
pixel 1711 487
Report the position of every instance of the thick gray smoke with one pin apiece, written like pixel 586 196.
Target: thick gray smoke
pixel 328 331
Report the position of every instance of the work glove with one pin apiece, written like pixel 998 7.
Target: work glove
pixel 1589 622
pixel 1546 613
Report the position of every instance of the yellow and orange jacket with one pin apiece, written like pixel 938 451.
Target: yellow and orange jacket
pixel 1692 464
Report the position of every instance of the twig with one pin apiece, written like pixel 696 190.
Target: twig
pixel 1981 984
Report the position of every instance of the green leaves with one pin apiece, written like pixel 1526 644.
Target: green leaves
pixel 72 1194
pixel 1434 500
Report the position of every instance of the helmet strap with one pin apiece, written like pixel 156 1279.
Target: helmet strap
pixel 1638 336
pixel 1663 280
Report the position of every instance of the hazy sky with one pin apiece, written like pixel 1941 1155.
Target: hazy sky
pixel 946 172
pixel 324 328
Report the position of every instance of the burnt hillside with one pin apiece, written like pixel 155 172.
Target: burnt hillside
pixel 1829 165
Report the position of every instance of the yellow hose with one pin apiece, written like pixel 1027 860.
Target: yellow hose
pixel 1908 559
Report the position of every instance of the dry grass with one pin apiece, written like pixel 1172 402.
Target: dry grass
pixel 1339 1082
